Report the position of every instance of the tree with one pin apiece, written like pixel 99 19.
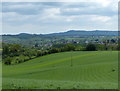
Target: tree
pixel 36 45
pixel 118 47
pixel 8 60
pixel 54 50
pixel 69 47
pixel 5 49
pixel 113 41
pixel 90 47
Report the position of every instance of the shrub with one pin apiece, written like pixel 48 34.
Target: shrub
pixel 90 47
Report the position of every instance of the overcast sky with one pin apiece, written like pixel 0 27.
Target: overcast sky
pixel 50 17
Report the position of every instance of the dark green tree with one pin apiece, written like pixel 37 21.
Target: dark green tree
pixel 91 47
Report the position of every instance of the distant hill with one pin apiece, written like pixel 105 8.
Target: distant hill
pixel 41 39
pixel 24 34
pixel 72 33
pixel 88 33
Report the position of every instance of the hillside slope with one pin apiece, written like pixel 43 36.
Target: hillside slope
pixel 89 70
pixel 87 33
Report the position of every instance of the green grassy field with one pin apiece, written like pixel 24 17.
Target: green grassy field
pixel 0 74
pixel 89 70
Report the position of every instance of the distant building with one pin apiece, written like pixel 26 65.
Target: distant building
pixel 86 42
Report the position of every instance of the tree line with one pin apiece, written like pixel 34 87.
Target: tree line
pixel 16 53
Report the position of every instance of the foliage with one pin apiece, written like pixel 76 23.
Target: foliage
pixel 16 53
pixel 91 47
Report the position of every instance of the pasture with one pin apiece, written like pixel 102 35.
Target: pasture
pixel 66 70
pixel 0 74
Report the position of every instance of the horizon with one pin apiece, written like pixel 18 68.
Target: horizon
pixel 55 17
pixel 61 32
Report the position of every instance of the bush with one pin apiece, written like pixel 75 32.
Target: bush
pixel 8 60
pixel 90 47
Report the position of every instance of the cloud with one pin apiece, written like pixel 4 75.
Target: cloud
pixel 67 8
pixel 52 11
pixel 100 18
pixel 47 17
pixel 22 8
pixel 88 8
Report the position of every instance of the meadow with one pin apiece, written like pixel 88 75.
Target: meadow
pixel 65 70
pixel 0 74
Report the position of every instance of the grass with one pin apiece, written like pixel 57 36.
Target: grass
pixel 0 75
pixel 89 70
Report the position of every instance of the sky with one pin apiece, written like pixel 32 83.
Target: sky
pixel 52 17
